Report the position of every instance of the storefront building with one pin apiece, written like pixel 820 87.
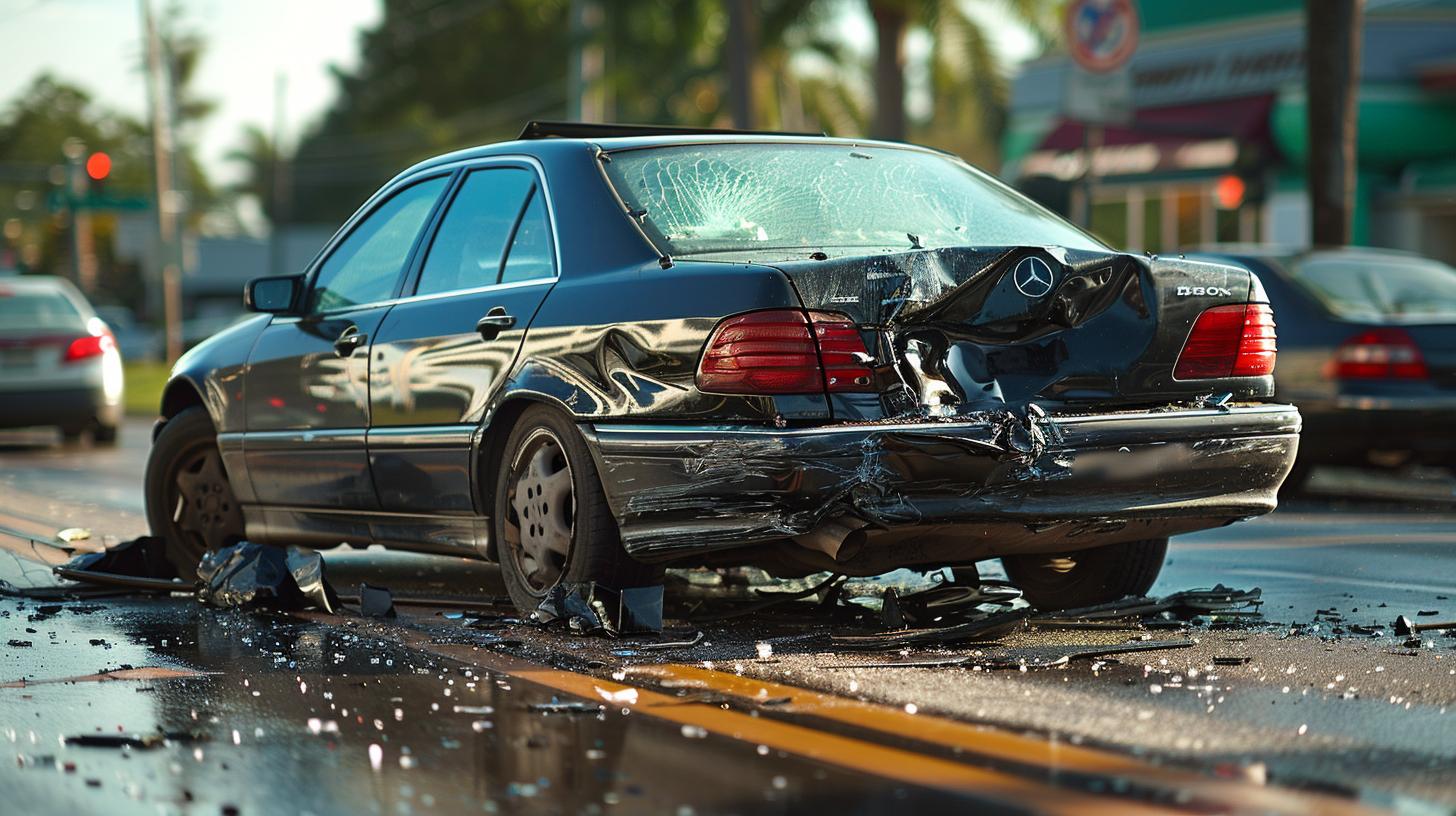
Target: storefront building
pixel 1214 149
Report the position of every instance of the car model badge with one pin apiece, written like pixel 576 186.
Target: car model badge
pixel 1033 277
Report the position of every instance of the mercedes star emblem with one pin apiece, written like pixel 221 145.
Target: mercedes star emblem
pixel 1033 277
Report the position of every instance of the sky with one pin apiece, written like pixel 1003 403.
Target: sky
pixel 97 44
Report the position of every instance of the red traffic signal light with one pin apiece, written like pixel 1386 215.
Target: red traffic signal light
pixel 1228 191
pixel 98 166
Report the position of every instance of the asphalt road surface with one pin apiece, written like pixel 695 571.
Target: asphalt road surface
pixel 123 704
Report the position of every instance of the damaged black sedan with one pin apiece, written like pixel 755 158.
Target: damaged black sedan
pixel 595 352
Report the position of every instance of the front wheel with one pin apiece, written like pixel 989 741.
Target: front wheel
pixel 190 503
pixel 1087 577
pixel 551 523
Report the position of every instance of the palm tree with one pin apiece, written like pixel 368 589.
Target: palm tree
pixel 260 160
pixel 969 88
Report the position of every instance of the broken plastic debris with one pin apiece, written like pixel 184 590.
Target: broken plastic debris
pixel 567 707
pixel 254 575
pixel 375 602
pixel 143 558
pixel 590 607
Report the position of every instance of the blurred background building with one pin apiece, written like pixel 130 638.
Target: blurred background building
pixel 257 154
pixel 1216 144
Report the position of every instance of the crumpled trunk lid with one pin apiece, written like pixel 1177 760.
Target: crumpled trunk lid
pixel 963 329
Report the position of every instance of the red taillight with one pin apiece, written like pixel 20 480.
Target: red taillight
pixel 779 352
pixel 1229 341
pixel 842 351
pixel 84 348
pixel 1379 354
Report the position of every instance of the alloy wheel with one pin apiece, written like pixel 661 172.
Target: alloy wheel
pixel 542 504
pixel 204 513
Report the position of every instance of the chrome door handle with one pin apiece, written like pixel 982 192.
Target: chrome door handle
pixel 495 321
pixel 351 339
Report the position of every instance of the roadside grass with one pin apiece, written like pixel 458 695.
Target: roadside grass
pixel 144 383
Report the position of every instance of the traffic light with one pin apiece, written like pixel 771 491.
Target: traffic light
pixel 98 166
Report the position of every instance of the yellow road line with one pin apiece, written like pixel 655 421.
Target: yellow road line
pixel 1001 745
pixel 845 752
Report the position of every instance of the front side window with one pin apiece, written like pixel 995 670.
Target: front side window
pixel 781 201
pixel 365 266
pixel 470 244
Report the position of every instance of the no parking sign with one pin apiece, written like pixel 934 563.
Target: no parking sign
pixel 1101 34
pixel 1101 37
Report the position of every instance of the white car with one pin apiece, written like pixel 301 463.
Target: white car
pixel 58 361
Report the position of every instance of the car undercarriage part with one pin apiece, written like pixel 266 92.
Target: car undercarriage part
pixel 257 575
pixel 590 607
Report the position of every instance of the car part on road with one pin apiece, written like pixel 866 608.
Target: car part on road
pixel 257 575
pixel 555 528
pixel 1406 626
pixel 190 502
pixel 1087 577
pixel 1220 601
pixel 588 607
pixel 376 602
pixel 987 627
pixel 144 557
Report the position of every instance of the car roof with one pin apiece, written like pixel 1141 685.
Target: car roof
pixel 38 283
pixel 663 137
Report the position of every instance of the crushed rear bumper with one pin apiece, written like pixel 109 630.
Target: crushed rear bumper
pixel 978 487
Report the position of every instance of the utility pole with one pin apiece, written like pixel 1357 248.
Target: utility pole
pixel 742 45
pixel 159 86
pixel 1332 64
pixel 585 96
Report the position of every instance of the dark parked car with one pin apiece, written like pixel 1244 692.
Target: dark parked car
pixel 596 351
pixel 1368 353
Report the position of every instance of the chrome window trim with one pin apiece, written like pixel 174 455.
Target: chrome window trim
pixel 465 165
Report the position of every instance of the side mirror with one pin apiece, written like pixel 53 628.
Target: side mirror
pixel 276 295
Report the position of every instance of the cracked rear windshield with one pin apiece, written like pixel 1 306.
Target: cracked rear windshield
pixel 783 201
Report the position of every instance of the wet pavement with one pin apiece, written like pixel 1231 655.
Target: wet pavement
pixel 452 707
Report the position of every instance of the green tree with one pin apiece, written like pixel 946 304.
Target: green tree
pixel 435 75
pixel 35 128
pixel 968 84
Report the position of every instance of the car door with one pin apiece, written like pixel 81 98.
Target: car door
pixel 440 355
pixel 307 381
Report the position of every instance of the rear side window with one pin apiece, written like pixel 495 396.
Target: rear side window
pixel 1380 287
pixel 530 254
pixel 471 242
pixel 366 265
pixel 38 310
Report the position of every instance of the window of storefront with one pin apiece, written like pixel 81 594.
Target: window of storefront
pixel 1168 218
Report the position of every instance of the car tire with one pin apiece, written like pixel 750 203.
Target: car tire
pixel 1087 577
pixel 552 528
pixel 104 435
pixel 190 502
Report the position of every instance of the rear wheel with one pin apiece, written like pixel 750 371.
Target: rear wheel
pixel 104 435
pixel 551 519
pixel 1087 577
pixel 190 504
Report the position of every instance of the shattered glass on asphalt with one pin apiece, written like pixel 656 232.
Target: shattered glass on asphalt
pixel 781 201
